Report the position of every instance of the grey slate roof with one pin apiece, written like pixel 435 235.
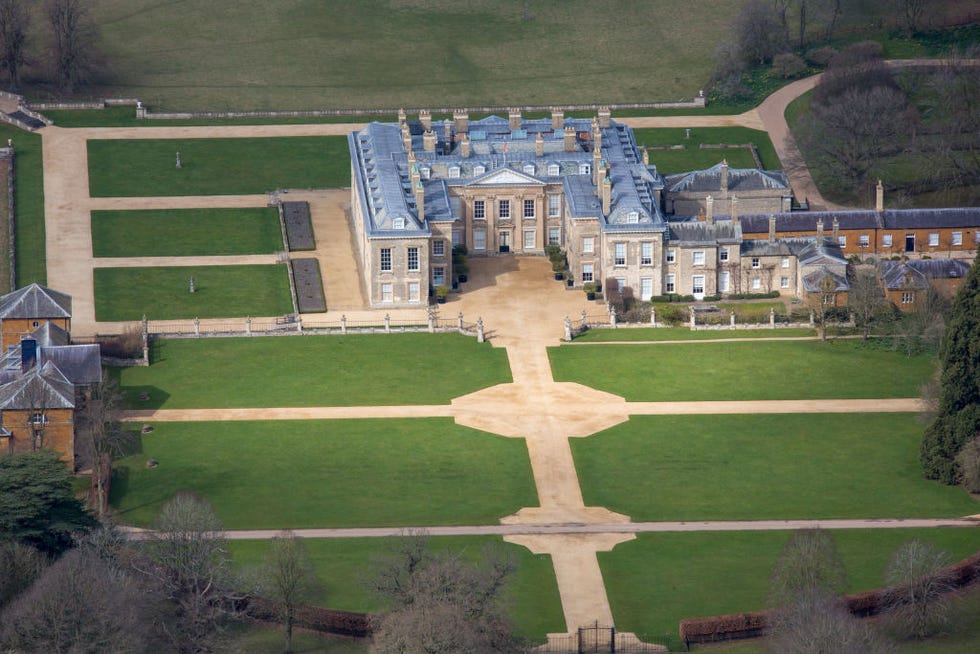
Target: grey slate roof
pixel 814 282
pixel 808 250
pixel 35 301
pixel 926 218
pixel 896 275
pixel 44 386
pixel 915 273
pixel 50 334
pixel 704 233
pixel 80 364
pixel 806 221
pixel 383 179
pixel 739 179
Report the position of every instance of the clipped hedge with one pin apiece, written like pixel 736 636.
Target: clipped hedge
pixel 737 626
pixel 332 621
pixel 754 296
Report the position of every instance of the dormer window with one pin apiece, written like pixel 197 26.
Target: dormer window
pixel 529 168
pixel 454 172
pixel 633 217
pixel 425 172
pixel 584 169
pixel 553 170
pixel 479 169
pixel 398 223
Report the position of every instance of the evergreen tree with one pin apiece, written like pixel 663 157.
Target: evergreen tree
pixel 36 503
pixel 958 417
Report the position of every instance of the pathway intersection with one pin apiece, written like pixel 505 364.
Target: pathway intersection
pixel 522 306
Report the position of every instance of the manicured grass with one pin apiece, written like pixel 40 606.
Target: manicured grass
pixel 137 167
pixel 163 293
pixel 262 638
pixel 328 473
pixel 766 370
pixel 658 579
pixel 464 54
pixel 694 158
pixel 368 369
pixel 185 232
pixel 29 205
pixel 684 334
pixel 755 467
pixel 126 117
pixel 345 566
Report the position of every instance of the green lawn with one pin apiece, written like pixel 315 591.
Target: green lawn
pixel 210 55
pixel 262 638
pixel 163 293
pixel 328 473
pixel 658 579
pixel 217 166
pixel 755 467
pixel 368 369
pixel 694 158
pixel 344 565
pixel 744 371
pixel 185 232
pixel 29 205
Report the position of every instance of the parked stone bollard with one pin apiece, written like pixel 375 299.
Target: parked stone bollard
pixel 387 323
pixel 480 337
pixel 343 324
pixel 197 326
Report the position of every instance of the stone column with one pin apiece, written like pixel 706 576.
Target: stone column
pixel 691 309
pixel 568 329
pixel 731 319
pixel 343 324
pixel 387 323
pixel 432 321
pixel 459 321
pixel 197 326
pixel 480 336
pixel 772 318
pixel 653 316
pixel 248 325
pixel 612 316
pixel 584 319
pixel 811 317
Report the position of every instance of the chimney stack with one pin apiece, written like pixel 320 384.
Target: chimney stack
pixel 462 119
pixel 734 209
pixel 836 228
pixel 570 139
pixel 515 118
pixel 646 156
pixel 448 130
pixel 879 197
pixel 724 175
pixel 557 118
pixel 604 116
pixel 596 167
pixel 420 200
pixel 406 138
pixel 772 228
pixel 820 230
pixel 709 209
pixel 606 195
pixel 28 354
pixel 425 117
pixel 429 141
pixel 464 146
pixel 539 145
pixel 402 117
pixel 596 134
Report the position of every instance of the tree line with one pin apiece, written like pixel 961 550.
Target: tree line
pixel 71 60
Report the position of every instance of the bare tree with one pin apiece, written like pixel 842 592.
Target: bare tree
pixel 913 12
pixel 818 622
pixel 20 565
pixel 74 32
pixel 80 604
pixel 14 20
pixel 440 603
pixel 289 580
pixel 760 33
pixel 809 561
pixel 100 437
pixel 865 299
pixel 917 598
pixel 187 561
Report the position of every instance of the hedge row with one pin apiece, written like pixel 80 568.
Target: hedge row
pixel 753 296
pixel 331 621
pixel 753 624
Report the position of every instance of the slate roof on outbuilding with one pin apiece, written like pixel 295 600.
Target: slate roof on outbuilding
pixel 915 273
pixel 43 386
pixel 80 364
pixel 806 221
pixel 814 282
pixel 739 179
pixel 704 233
pixel 35 301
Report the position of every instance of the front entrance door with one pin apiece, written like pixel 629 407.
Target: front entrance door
pixel 697 287
pixel 503 239
pixel 910 242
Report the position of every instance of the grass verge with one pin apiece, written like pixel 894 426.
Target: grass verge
pixel 692 157
pixel 683 334
pixel 185 232
pixel 28 205
pixel 232 166
pixel 163 293
pixel 336 473
pixel 368 369
pixel 345 566
pixel 658 579
pixel 762 467
pixel 768 370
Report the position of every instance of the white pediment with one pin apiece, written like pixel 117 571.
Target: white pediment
pixel 506 177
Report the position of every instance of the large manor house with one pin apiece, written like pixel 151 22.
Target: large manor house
pixel 502 186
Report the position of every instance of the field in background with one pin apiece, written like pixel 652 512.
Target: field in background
pixel 253 54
